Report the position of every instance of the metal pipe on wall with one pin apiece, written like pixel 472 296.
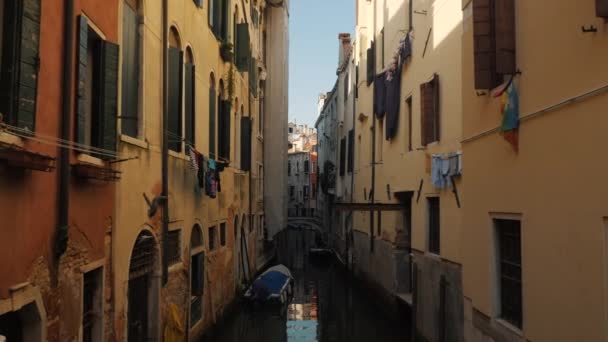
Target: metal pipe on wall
pixel 61 234
pixel 165 145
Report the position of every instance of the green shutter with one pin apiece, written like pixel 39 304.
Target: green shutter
pixel 212 114
pixel 109 100
pixel 130 72
pixel 242 49
pixel 83 36
pixel 224 128
pixel 245 143
pixel 175 99
pixel 27 83
pixel 217 8
pixel 189 103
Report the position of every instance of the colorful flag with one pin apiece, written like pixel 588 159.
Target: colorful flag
pixel 510 118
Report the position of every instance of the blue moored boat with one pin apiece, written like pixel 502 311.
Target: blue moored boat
pixel 275 284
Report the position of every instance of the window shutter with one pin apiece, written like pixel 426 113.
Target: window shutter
pixel 109 101
pixel 217 10
pixel 212 115
pixel 245 144
pixel 505 36
pixel 197 275
pixel 224 127
pixel 130 72
pixel 189 103
pixel 351 150
pixel 484 44
pixel 371 64
pixel 174 125
pixel 83 36
pixel 601 8
pixel 342 156
pixel 198 3
pixel 29 59
pixel 255 17
pixel 242 48
pixel 224 15
pixel 427 105
pixel 436 113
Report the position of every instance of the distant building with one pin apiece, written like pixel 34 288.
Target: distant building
pixel 302 171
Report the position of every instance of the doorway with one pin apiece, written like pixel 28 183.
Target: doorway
pixel 143 290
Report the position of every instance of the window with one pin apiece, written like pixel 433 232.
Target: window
pixel 297 167
pixel 218 18
pixel 131 61
pixel 289 168
pixel 306 166
pixel 429 110
pixel 342 156
pixel 212 115
pixel 261 113
pixel 212 234
pixel 408 103
pixel 174 251
pixel 371 63
pixel 290 129
pixel 351 150
pixel 189 97
pixel 260 182
pixel 92 306
pixel 19 56
pixel 494 41
pixel 198 3
pixel 509 265
pixel 96 99
pixel 434 225
pixel 223 234
pixel 292 192
pixel 176 67
pixel 305 191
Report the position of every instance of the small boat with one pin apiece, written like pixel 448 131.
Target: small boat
pixel 274 285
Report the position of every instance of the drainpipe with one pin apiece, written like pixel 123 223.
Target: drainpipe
pixel 165 144
pixel 61 234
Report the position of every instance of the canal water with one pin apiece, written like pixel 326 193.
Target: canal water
pixel 327 306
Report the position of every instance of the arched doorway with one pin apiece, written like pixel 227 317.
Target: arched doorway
pixel 144 285
pixel 197 274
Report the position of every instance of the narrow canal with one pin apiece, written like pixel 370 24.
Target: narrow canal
pixel 327 305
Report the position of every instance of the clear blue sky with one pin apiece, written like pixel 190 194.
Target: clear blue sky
pixel 313 51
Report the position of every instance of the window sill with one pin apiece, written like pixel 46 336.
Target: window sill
pixel 9 139
pixel 179 155
pixel 178 266
pixel 88 159
pixel 510 327
pixel 134 141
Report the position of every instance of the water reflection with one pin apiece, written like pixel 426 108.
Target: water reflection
pixel 326 307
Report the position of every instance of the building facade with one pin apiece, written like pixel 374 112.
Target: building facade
pixel 302 171
pixel 81 140
pixel 57 182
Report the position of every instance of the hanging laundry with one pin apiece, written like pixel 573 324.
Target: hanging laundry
pixel 436 171
pixel 393 88
pixel 202 168
pixel 210 181
pixel 194 155
pixel 510 109
pixel 380 95
pixel 444 167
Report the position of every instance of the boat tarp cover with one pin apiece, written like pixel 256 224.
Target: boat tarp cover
pixel 271 282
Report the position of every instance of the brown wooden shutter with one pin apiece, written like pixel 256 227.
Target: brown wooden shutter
pixel 29 60
pixel 224 130
pixel 601 8
pixel 484 44
pixel 109 100
pixel 425 107
pixel 342 156
pixel 83 37
pixel 436 113
pixel 505 36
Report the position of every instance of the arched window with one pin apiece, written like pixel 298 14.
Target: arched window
pixel 212 115
pixel 131 64
pixel 174 124
pixel 197 274
pixel 189 101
